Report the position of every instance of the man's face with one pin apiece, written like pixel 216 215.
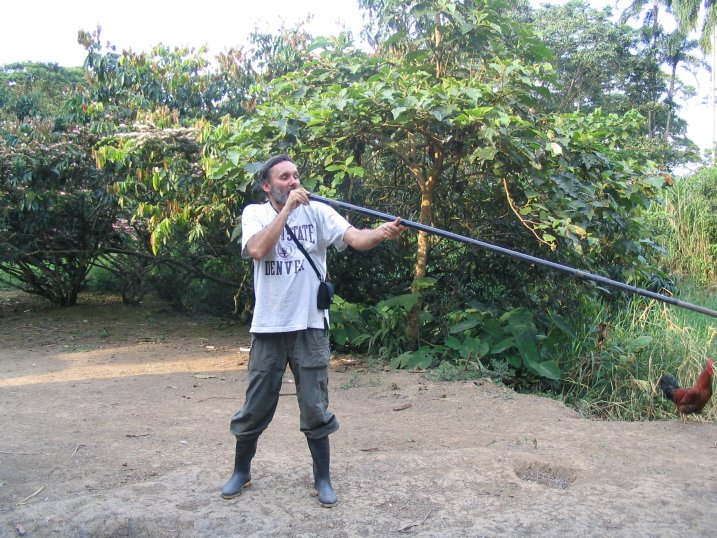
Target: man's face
pixel 283 178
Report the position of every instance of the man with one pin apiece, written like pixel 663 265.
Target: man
pixel 287 326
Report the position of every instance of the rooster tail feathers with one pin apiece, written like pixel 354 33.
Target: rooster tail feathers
pixel 668 384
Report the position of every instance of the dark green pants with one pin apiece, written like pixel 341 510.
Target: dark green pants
pixel 307 354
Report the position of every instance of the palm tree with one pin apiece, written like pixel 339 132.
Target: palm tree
pixel 651 15
pixel 676 51
pixel 688 15
pixel 652 35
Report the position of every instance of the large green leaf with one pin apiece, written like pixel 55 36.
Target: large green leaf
pixel 501 346
pixel 475 348
pixel 522 327
pixel 405 301
pixel 464 325
pixel 421 358
pixel 548 369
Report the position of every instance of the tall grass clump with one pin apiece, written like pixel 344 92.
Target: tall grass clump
pixel 688 227
pixel 615 375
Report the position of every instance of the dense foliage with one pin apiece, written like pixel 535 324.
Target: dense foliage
pixel 29 90
pixel 57 214
pixel 619 68
pixel 547 131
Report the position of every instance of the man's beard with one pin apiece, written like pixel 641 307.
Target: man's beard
pixel 280 197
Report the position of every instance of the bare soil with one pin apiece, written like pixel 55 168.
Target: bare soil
pixel 115 423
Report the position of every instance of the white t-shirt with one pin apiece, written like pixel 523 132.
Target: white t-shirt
pixel 285 284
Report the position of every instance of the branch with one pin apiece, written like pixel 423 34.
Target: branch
pixel 521 219
pixel 171 261
pixel 161 134
pixel 196 271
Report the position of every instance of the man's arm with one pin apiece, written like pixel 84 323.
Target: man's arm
pixel 368 238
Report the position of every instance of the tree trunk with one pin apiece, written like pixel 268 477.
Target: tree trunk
pixel 413 330
pixel 426 217
pixel 670 96
pixel 427 185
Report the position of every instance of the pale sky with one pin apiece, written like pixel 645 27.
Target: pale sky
pixel 46 31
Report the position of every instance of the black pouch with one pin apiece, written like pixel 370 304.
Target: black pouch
pixel 325 296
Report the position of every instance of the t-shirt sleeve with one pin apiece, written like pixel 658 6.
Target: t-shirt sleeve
pixel 250 225
pixel 334 227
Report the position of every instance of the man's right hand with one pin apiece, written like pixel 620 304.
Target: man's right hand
pixel 297 197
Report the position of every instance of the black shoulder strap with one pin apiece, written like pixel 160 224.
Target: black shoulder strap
pixel 303 250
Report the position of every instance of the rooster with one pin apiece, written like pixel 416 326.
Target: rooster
pixel 691 399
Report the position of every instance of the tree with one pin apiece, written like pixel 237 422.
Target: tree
pixel 55 212
pixel 569 182
pixel 609 65
pixel 29 89
pixel 593 57
pixel 673 51
pixel 56 215
pixel 676 51
pixel 445 123
pixel 415 113
pixel 152 108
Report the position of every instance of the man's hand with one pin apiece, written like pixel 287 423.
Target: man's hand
pixel 297 197
pixel 368 238
pixel 391 230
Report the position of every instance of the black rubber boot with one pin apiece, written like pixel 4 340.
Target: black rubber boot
pixel 321 454
pixel 241 478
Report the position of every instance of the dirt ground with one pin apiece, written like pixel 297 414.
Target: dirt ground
pixel 115 423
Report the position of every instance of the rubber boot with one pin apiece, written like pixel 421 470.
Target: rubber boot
pixel 241 477
pixel 321 454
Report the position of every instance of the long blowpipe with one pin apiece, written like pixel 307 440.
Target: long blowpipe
pixel 514 254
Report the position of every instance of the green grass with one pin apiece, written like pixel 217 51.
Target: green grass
pixel 617 379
